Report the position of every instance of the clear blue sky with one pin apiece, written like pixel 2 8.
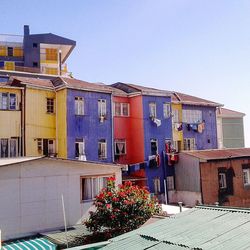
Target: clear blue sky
pixel 199 47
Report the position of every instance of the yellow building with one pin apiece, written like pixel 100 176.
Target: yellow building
pixel 39 113
pixel 10 121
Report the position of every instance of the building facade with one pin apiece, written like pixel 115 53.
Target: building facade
pixel 230 128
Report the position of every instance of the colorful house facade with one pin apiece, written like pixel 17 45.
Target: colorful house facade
pixel 35 53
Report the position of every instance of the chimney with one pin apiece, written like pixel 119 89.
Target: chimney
pixel 26 30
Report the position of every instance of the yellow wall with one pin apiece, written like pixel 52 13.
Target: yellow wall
pixel 39 123
pixel 178 135
pixel 62 123
pixel 10 121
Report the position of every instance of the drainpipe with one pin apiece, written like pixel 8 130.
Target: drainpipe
pixel 112 129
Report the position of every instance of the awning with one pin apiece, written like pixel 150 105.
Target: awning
pixel 31 244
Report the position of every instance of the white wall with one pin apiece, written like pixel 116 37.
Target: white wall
pixel 30 194
pixel 188 198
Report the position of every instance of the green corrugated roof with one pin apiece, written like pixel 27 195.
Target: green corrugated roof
pixel 203 227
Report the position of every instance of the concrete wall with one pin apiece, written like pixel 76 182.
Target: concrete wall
pixel 210 132
pixel 30 194
pixel 188 198
pixel 151 131
pixel 88 126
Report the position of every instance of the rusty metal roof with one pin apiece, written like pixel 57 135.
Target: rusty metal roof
pixel 218 154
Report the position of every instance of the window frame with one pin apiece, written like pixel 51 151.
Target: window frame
pixel 102 107
pixel 166 110
pixel 98 177
pixel 152 109
pixel 82 143
pixel 222 176
pixel 123 141
pixel 102 143
pixel 119 109
pixel 191 116
pixel 191 142
pixel 246 172
pixel 79 105
pixel 50 105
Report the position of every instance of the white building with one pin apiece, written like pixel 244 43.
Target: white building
pixel 230 128
pixel 31 192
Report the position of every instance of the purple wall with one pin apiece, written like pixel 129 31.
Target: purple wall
pixel 88 126
pixel 210 131
pixel 151 131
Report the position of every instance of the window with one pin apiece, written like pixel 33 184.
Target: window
pixel 154 146
pixel 120 147
pixel 91 186
pixel 12 101
pixel 152 109
pixel 39 144
pixel 222 181
pixel 102 149
pixel 121 109
pixel 34 45
pixel 175 118
pixel 13 147
pixel 101 108
pixel 79 149
pixel 79 106
pixel 246 174
pixel 50 105
pixel 3 100
pixel 189 144
pixel 35 64
pixel 170 182
pixel 4 147
pixel 157 185
pixel 166 110
pixel 8 101
pixel 10 51
pixel 191 116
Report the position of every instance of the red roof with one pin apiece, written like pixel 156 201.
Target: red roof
pixel 191 100
pixel 217 154
pixel 228 113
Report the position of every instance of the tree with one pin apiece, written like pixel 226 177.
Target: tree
pixel 122 209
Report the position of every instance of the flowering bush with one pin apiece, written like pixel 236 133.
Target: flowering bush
pixel 121 209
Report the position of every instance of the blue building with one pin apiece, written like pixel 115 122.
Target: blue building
pixel 84 120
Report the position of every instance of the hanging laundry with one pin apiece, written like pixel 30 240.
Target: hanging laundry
pixel 179 127
pixel 188 127
pixel 200 128
pixel 203 125
pixel 158 160
pixel 194 127
pixel 157 122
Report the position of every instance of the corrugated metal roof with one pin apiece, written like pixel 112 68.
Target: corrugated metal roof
pixel 203 227
pixel 218 154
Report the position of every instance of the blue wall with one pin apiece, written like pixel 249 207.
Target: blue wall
pixel 210 131
pixel 151 131
pixel 88 126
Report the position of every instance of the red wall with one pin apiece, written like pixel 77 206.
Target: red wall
pixel 131 129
